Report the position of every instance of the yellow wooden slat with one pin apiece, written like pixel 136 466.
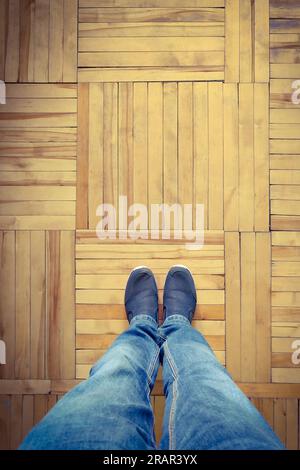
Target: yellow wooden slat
pixel 185 143
pixel 233 305
pixel 160 266
pixel 124 15
pixel 263 306
pixel 248 315
pixel 216 156
pixel 261 155
pixel 170 143
pixel 135 74
pixel 22 360
pixel 201 147
pixel 246 167
pixel 7 301
pixel 261 43
pixel 231 158
pixel 162 44
pixel 37 305
pixel 140 157
pixel 95 152
pixel 232 41
pixel 155 144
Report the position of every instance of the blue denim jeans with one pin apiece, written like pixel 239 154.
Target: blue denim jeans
pixel 112 409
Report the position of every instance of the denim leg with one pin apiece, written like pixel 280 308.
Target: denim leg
pixel 204 407
pixel 111 409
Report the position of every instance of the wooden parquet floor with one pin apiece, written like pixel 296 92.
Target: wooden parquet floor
pixel 163 101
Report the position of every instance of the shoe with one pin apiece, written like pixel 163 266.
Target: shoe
pixel 180 295
pixel 141 297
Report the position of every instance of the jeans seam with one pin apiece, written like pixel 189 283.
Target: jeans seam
pixel 175 395
pixel 150 369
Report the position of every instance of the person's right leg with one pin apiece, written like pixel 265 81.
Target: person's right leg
pixel 204 407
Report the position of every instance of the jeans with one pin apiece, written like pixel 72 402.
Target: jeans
pixel 111 410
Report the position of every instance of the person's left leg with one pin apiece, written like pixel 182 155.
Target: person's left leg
pixel 112 409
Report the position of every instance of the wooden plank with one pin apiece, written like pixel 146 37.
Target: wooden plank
pixel 70 41
pixel 150 3
pixel 201 147
pixel 42 91
pixel 151 74
pixel 60 298
pixel 83 157
pixel 153 44
pixel 24 387
pixel 232 41
pixel 201 60
pixel 134 251
pixel 153 29
pixel 268 410
pixel 284 9
pixel 285 238
pixel 36 208
pixel 12 31
pixel 246 168
pixel 285 192
pixel 28 414
pixel 261 42
pixel 280 419
pixel 155 144
pixel 285 284
pixel 37 193
pixel 16 421
pixel 22 358
pixel 39 105
pixel 263 306
pixel 248 305
pixel 56 37
pixel 140 154
pixel 284 70
pixel 47 135
pixel 125 136
pixel 285 146
pixel 261 156
pixel 110 144
pixel 284 162
pixel 233 305
pixel 185 143
pixel 170 143
pixel 286 253
pixel 27 42
pixel 292 431
pixel 246 41
pixel 124 15
pixel 285 177
pixel 4 422
pixel 39 408
pixel 283 222
pixel 95 151
pixel 286 375
pixel 216 156
pixel 41 41
pixel 7 301
pixel 37 305
pixel 231 158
